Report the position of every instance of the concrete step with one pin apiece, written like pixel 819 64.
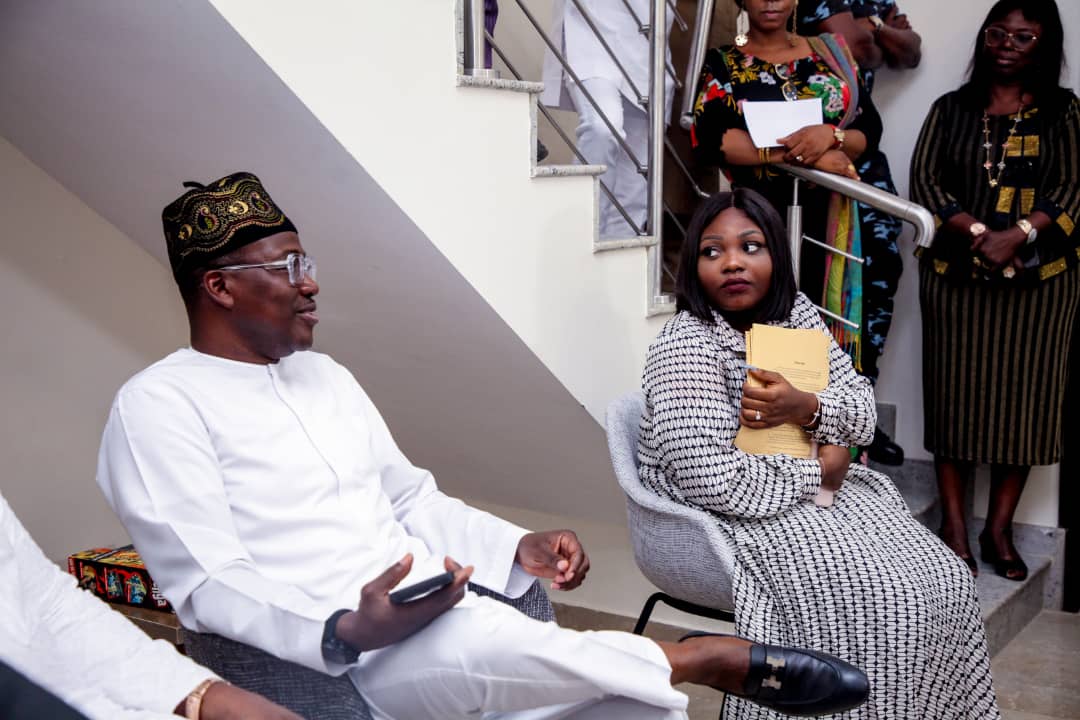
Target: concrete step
pixel 1007 606
pixel 916 482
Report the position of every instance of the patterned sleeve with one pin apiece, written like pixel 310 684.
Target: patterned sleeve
pixel 848 412
pixel 868 120
pixel 811 12
pixel 1061 200
pixel 694 419
pixel 928 165
pixel 715 111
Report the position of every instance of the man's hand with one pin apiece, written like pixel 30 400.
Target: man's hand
pixel 775 402
pixel 378 622
pixel 555 554
pixel 227 702
pixel 895 19
pixel 834 461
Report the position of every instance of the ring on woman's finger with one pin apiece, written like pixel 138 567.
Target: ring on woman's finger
pixel 757 415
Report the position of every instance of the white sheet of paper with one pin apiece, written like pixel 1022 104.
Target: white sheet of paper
pixel 768 121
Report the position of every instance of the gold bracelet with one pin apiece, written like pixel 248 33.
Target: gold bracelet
pixel 193 702
pixel 808 427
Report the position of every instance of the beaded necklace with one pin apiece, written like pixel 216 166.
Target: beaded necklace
pixel 989 164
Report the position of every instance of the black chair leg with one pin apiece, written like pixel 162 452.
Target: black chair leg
pixel 683 605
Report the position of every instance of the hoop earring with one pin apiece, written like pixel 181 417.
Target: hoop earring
pixel 793 36
pixel 742 28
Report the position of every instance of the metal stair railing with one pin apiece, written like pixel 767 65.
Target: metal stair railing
pixel 907 211
pixel 653 101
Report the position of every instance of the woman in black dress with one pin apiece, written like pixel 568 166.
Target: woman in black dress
pixel 998 163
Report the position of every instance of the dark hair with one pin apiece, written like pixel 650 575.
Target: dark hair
pixel 190 279
pixel 1043 76
pixel 690 296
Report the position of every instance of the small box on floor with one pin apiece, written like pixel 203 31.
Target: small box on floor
pixel 117 575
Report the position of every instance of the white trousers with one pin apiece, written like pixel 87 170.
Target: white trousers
pixel 484 659
pixel 600 147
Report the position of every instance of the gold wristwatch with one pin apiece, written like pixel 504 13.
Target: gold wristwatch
pixel 1029 229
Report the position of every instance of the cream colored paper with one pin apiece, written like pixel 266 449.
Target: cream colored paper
pixel 802 357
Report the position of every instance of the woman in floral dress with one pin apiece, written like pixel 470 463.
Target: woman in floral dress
pixel 769 62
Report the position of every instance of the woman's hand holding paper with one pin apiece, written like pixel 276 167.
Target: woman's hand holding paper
pixel 806 145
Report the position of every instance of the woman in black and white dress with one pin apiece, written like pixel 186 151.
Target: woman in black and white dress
pixel 827 554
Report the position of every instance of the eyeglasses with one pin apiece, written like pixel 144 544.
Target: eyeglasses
pixel 996 37
pixel 299 267
pixel 783 71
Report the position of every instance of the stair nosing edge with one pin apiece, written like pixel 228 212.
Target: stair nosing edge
pixel 522 86
pixel 543 171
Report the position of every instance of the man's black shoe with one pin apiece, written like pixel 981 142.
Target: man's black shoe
pixel 795 681
pixel 883 450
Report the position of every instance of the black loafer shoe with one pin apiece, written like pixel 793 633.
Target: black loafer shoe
pixel 883 450
pixel 801 682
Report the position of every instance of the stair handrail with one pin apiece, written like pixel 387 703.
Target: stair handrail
pixel 912 213
pixel 698 45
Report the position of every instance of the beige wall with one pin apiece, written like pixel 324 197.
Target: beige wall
pixel 84 308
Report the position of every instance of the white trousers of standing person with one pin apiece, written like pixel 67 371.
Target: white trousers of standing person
pixel 599 146
pixel 483 658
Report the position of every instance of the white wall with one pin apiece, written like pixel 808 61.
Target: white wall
pixel 84 308
pixel 458 162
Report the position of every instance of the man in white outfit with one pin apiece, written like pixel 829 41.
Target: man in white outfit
pixel 66 654
pixel 616 96
pixel 265 494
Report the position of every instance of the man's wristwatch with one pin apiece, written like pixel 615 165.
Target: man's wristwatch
pixel 334 649
pixel 976 229
pixel 1029 229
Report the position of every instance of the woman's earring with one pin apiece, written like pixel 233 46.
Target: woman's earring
pixel 742 28
pixel 793 36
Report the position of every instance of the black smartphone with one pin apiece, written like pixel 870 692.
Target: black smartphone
pixel 424 587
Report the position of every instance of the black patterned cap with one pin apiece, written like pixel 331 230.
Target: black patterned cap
pixel 211 220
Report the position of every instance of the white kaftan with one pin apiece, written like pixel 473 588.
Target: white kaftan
pixel 75 646
pixel 263 498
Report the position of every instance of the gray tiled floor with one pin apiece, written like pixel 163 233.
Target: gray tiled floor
pixel 1037 675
